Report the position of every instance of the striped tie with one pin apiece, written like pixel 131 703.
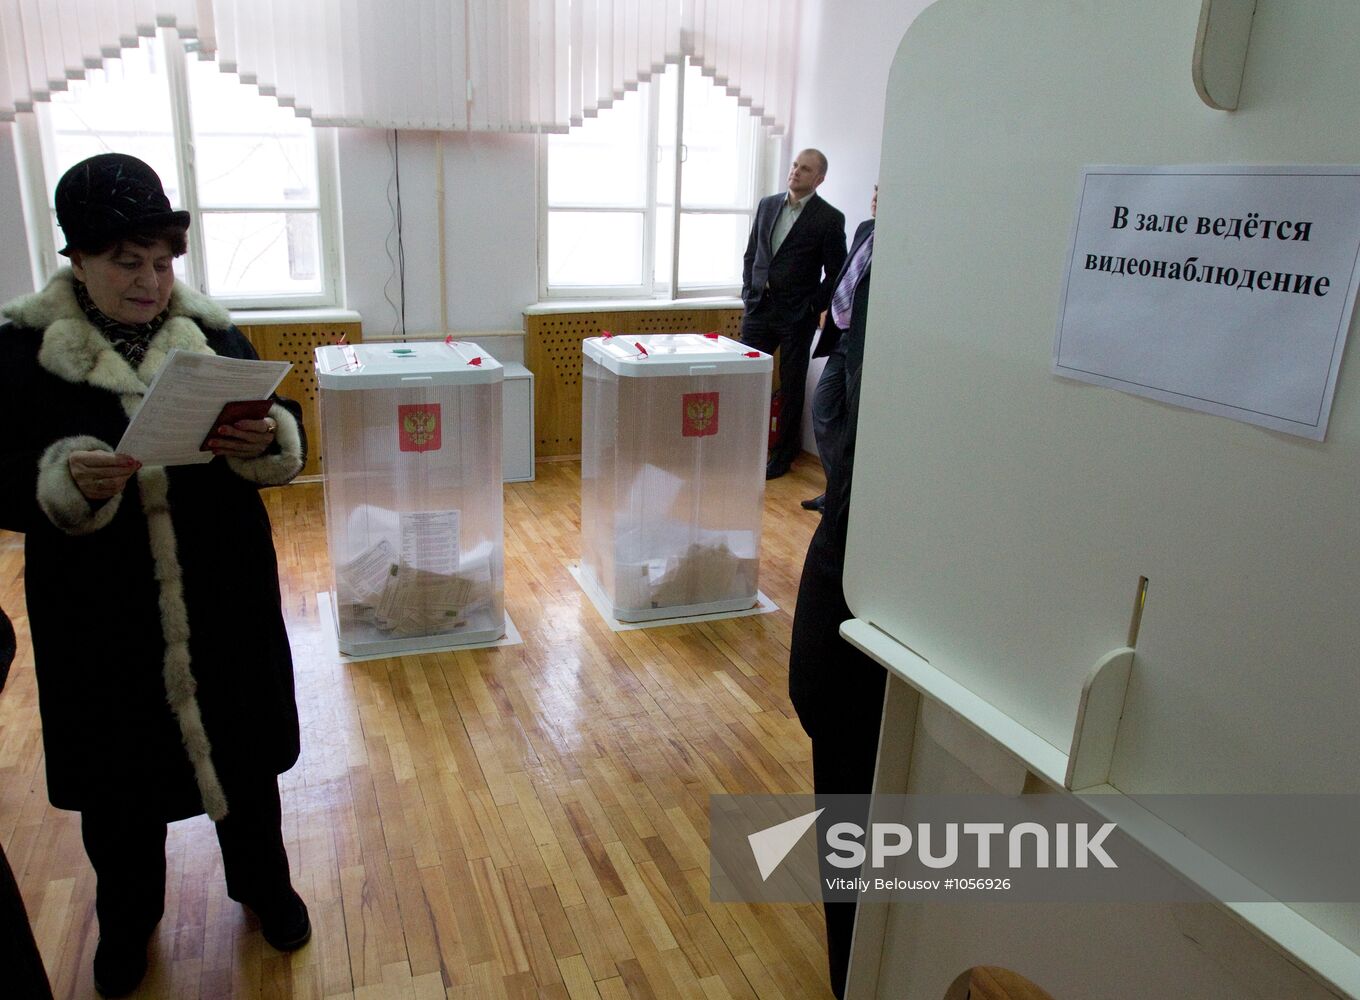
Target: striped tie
pixel 844 299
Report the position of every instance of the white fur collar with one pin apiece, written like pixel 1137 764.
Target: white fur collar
pixel 74 350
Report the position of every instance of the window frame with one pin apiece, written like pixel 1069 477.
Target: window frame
pixel 31 153
pixel 767 152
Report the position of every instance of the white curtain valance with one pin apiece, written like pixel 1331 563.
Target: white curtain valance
pixel 45 43
pixel 473 65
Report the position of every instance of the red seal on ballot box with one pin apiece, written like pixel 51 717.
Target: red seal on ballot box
pixel 700 414
pixel 419 427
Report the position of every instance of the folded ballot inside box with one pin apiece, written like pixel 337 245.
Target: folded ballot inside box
pixel 668 564
pixel 413 579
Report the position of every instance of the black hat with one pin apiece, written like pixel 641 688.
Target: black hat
pixel 109 196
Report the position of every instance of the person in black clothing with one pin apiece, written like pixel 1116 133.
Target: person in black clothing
pixel 828 401
pixel 837 690
pixel 23 973
pixel 797 245
pixel 165 679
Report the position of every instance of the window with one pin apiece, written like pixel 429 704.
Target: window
pixel 610 207
pixel 257 178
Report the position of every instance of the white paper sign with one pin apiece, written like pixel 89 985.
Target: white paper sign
pixel 429 541
pixel 1225 289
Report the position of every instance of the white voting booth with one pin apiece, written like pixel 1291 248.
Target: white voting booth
pixel 1007 521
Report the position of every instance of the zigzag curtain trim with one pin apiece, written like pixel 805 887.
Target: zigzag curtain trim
pixel 466 65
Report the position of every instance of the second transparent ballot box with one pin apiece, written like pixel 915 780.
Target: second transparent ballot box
pixel 673 446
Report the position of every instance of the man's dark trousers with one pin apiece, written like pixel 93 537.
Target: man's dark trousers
pixel 828 412
pixel 795 344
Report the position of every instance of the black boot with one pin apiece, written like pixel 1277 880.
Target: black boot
pixel 284 922
pixel 119 963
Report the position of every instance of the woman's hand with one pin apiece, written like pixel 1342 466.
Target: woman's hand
pixel 101 475
pixel 244 439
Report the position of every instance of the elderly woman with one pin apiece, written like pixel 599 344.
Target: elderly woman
pixel 164 674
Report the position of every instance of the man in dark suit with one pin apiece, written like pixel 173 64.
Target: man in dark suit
pixel 837 690
pixel 828 400
pixel 797 245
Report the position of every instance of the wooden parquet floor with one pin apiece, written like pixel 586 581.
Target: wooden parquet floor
pixel 520 822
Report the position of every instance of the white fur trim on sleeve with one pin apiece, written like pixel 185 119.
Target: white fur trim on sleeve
pixel 276 467
pixel 59 496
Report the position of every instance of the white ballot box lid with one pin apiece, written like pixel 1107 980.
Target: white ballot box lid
pixel 642 355
pixel 394 365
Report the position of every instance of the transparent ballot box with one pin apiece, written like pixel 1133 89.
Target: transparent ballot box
pixel 411 445
pixel 674 430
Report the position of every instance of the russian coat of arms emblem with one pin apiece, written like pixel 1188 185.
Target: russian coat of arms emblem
pixel 700 414
pixel 419 427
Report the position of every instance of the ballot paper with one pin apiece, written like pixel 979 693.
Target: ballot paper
pixel 363 578
pixel 184 400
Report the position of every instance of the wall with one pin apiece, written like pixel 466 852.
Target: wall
pixel 846 50
pixel 491 223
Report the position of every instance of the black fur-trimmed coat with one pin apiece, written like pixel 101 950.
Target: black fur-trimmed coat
pixel 164 672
